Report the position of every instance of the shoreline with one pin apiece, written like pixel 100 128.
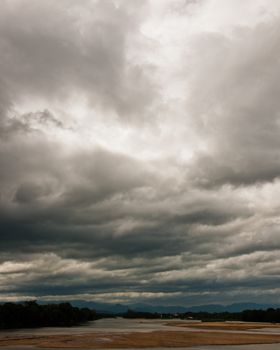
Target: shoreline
pixel 224 325
pixel 154 339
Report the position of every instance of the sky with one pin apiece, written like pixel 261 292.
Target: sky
pixel 140 151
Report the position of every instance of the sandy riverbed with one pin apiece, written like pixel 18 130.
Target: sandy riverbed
pixel 148 339
pixel 230 326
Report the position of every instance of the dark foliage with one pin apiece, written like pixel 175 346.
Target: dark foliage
pixel 30 314
pixel 269 315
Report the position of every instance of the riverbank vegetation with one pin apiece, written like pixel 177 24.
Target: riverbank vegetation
pixel 30 314
pixel 269 315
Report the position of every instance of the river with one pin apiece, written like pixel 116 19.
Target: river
pixel 128 325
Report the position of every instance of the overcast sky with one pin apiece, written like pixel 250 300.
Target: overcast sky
pixel 140 150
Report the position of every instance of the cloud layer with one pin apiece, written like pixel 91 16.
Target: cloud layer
pixel 139 150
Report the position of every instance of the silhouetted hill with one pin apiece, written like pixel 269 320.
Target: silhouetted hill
pixel 236 307
pixel 108 308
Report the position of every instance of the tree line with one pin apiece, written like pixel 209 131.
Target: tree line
pixel 269 315
pixel 31 314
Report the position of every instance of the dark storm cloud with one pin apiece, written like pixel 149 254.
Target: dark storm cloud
pixel 93 206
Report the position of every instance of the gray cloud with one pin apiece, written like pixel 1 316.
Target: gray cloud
pixel 138 162
pixel 235 105
pixel 77 48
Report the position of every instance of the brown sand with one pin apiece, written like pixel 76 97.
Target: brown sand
pixel 230 326
pixel 139 339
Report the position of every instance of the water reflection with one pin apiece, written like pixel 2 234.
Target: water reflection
pixel 104 325
pixel 125 325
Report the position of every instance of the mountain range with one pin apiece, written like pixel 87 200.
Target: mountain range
pixel 211 308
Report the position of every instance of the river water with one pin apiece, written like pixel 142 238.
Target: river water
pixel 125 325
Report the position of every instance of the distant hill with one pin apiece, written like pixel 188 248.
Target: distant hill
pixel 236 307
pixel 105 308
pixel 108 308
